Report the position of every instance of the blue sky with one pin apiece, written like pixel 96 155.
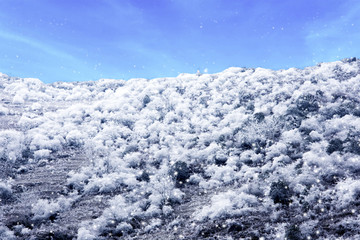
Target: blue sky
pixel 78 40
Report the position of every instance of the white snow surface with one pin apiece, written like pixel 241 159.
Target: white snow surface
pixel 273 153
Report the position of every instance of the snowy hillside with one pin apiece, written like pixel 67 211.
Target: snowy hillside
pixel 241 154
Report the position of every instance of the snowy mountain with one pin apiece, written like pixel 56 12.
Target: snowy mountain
pixel 241 154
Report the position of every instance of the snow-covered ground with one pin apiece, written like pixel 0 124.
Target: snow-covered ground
pixel 241 154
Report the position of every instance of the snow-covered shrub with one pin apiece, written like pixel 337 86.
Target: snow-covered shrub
pixel 120 209
pixel 259 117
pixel 6 193
pixel 228 204
pixel 44 210
pixel 85 234
pixel 77 181
pixel 5 233
pixel 42 154
pixel 307 104
pixel 293 233
pixel 18 99
pixel 74 138
pixel 293 118
pixel 353 144
pixel 36 107
pixel 180 172
pixel 39 141
pixel 334 145
pixel 11 145
pixel 220 159
pixel 280 192
pixel 347 191
pixel 133 159
pixel 57 234
pixel 29 121
pixel 3 110
pixel 146 100
pixel 105 184
pixel 144 176
pixel 163 190
pixel 116 230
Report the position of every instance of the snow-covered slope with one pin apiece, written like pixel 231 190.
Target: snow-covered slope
pixel 241 154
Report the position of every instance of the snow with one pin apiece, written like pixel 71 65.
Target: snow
pixel 227 204
pixel 5 191
pixel 42 154
pixel 11 145
pixel 281 146
pixel 3 110
pixel 5 233
pixel 43 208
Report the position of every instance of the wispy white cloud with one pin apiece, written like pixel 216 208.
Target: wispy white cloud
pixel 336 38
pixel 45 48
pixel 48 62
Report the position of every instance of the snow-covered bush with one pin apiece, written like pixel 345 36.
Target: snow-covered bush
pixel 85 234
pixel 42 154
pixel 280 192
pixel 39 141
pixel 228 204
pixel 18 99
pixel 76 181
pixel 6 193
pixel 180 172
pixel 11 145
pixel 293 233
pixel 5 233
pixel 334 145
pixel 74 138
pixel 44 210
pixel 3 110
